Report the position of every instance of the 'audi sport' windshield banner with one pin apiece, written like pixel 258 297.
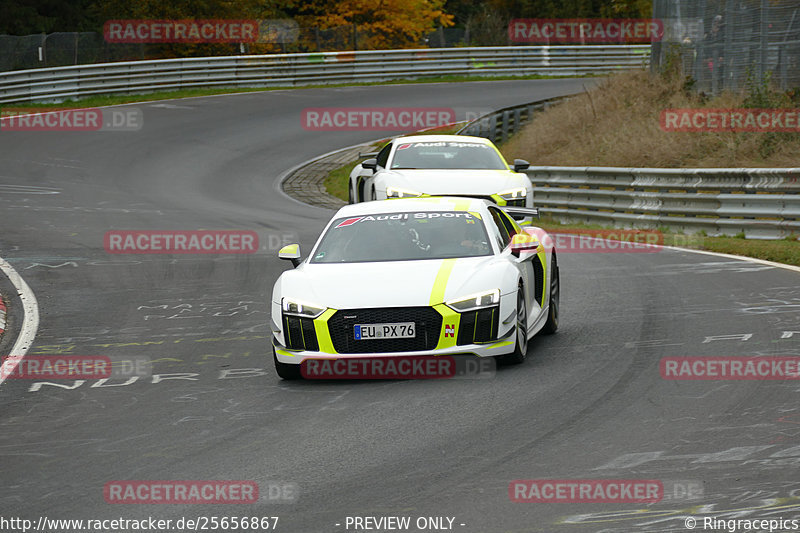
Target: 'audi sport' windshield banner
pixel 550 31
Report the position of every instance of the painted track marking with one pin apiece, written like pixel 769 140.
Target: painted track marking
pixel 30 307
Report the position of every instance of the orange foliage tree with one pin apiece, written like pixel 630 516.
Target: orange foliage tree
pixel 381 24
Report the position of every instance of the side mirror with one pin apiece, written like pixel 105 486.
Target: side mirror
pixel 524 242
pixel 290 252
pixel 370 164
pixel 520 165
pixel 520 213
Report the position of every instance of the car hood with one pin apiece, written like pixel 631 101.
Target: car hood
pixel 390 283
pixel 440 182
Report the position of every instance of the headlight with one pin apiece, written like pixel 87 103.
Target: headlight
pixel 395 192
pixel 514 194
pixel 475 301
pixel 293 307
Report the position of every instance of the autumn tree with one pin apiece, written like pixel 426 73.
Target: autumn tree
pixel 381 24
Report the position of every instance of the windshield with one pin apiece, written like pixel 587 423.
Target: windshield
pixel 447 155
pixel 403 237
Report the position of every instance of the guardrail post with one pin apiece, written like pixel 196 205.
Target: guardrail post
pixel 491 131
pixel 504 129
pixel 517 121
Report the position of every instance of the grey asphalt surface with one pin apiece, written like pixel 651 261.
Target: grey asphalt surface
pixel 588 404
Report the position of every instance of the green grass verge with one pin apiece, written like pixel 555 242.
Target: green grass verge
pixel 106 100
pixel 785 251
pixel 337 181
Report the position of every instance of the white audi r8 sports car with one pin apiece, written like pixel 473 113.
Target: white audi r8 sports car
pixel 418 276
pixel 435 165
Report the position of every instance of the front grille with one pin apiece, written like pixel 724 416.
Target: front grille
pixel 428 324
pixel 478 326
pixel 300 333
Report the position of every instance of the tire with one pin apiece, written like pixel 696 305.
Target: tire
pixel 350 195
pixel 551 326
pixel 373 195
pixel 521 346
pixel 284 370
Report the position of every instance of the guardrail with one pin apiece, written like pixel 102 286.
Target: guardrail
pixel 503 123
pixel 758 202
pixel 277 70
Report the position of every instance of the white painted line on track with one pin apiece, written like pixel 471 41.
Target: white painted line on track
pixel 30 308
pixel 695 251
pixel 737 257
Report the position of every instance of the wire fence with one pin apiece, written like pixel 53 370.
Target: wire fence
pixel 63 48
pixel 724 43
pixel 79 48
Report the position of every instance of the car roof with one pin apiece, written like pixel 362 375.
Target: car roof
pixel 443 138
pixel 403 205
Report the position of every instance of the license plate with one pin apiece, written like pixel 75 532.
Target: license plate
pixel 397 330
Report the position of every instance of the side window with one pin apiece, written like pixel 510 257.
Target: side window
pixel 497 218
pixel 511 226
pixel 383 155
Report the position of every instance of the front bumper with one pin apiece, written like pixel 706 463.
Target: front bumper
pixel 450 333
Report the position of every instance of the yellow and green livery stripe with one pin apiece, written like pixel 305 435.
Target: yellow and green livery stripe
pixel 440 282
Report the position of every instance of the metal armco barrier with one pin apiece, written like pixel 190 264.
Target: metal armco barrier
pixel 503 123
pixel 758 202
pixel 761 203
pixel 286 70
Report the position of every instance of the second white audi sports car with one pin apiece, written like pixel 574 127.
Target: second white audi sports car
pixel 436 165
pixel 421 276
